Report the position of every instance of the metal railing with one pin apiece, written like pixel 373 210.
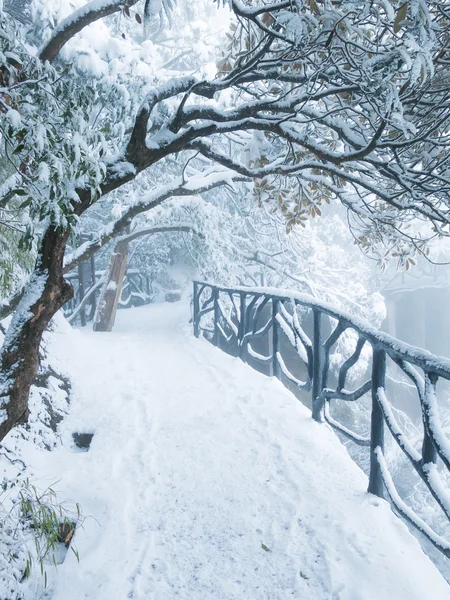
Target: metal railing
pixel 236 319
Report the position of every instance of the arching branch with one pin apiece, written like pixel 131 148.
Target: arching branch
pixel 78 20
pixel 152 200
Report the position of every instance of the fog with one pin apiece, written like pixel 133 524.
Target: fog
pixel 417 306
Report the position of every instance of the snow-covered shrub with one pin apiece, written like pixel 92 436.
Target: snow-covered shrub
pixel 32 520
pixel 34 529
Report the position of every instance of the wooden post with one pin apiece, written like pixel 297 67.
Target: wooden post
pixel 81 292
pixel 317 400
pixel 377 422
pixel 195 318
pixel 94 281
pixel 112 289
pixel 429 452
pixel 242 325
pixel 216 335
pixel 276 371
pixel 86 279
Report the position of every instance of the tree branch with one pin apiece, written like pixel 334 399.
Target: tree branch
pixel 152 200
pixel 181 227
pixel 78 20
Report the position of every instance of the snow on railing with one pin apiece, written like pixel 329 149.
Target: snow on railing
pixel 136 291
pixel 235 319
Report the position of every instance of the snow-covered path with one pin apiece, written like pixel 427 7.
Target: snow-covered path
pixel 206 480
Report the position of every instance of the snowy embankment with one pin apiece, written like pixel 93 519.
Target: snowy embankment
pixel 206 480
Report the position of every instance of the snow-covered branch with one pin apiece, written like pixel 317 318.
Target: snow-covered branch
pixel 77 21
pixel 195 185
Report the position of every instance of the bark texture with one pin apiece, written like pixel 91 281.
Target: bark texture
pixel 109 300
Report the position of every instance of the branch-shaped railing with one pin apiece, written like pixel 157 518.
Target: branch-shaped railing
pixel 238 319
pixel 81 308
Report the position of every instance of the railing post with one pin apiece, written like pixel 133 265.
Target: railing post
pixel 93 281
pixel 195 318
pixel 377 422
pixel 317 400
pixel 429 452
pixel 216 335
pixel 242 325
pixel 276 371
pixel 81 290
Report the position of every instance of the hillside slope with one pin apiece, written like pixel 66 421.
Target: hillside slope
pixel 206 480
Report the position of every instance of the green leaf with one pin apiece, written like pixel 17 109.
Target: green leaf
pixel 264 547
pixel 401 16
pixel 25 203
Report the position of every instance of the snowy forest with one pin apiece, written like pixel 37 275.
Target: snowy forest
pixel 224 291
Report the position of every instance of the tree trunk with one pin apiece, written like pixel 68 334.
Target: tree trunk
pixel 112 289
pixel 44 295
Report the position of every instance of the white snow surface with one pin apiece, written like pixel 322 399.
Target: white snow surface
pixel 197 461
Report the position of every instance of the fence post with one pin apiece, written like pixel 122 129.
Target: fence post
pixel 429 452
pixel 195 318
pixel 242 325
pixel 276 371
pixel 94 281
pixel 317 400
pixel 377 422
pixel 82 291
pixel 216 335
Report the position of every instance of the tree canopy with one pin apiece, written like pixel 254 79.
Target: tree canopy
pixel 316 102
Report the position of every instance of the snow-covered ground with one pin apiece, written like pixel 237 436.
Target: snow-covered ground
pixel 206 480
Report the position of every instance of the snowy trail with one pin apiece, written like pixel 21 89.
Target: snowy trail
pixel 196 462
